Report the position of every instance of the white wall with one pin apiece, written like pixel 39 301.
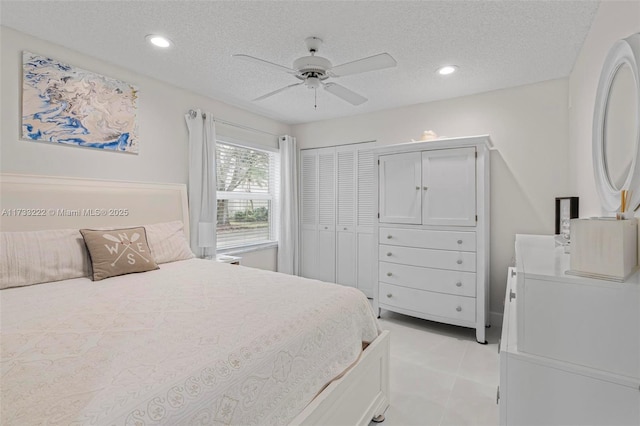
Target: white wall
pixel 529 129
pixel 162 129
pixel 613 21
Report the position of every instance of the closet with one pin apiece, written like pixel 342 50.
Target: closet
pixel 432 230
pixel 337 215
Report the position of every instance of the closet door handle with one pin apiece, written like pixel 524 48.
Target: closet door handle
pixel 425 187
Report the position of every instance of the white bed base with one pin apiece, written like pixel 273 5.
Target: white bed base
pixel 360 395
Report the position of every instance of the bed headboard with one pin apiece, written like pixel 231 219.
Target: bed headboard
pixel 31 203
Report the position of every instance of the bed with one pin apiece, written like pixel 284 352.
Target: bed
pixel 193 342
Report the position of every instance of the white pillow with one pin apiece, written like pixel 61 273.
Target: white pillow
pixel 168 242
pixel 41 256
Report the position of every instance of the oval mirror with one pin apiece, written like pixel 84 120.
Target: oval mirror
pixel 616 125
pixel 619 127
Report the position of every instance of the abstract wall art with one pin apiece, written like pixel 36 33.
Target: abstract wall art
pixel 66 105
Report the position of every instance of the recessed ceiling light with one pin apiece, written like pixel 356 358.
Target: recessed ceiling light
pixel 158 40
pixel 448 69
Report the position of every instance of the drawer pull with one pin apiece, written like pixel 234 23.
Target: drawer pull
pixel 459 308
pixel 459 284
pixel 389 274
pixel 389 254
pixel 388 237
pixel 389 295
pixel 459 241
pixel 459 262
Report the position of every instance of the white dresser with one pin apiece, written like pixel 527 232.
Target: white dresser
pixel 432 230
pixel 570 346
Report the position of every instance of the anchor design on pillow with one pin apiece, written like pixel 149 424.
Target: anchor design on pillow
pixel 128 246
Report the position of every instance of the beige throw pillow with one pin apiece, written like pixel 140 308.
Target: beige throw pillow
pixel 118 252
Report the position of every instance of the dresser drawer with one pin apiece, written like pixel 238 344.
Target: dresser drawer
pixel 440 259
pixel 439 280
pixel 460 308
pixel 422 238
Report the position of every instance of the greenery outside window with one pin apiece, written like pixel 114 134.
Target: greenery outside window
pixel 246 196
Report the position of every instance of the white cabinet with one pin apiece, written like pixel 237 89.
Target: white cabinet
pixel 449 186
pixel 570 346
pixel 432 231
pixel 336 187
pixel 400 183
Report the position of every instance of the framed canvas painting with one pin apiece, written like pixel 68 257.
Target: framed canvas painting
pixel 62 104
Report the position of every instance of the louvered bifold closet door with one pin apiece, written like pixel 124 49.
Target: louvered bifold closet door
pixel 346 209
pixel 365 211
pixel 309 213
pixel 327 214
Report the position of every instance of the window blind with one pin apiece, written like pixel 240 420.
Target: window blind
pixel 247 181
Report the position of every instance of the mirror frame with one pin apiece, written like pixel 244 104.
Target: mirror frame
pixel 625 51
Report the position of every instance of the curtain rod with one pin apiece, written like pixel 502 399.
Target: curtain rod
pixel 193 114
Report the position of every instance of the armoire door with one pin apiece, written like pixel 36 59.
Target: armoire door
pixel 309 214
pixel 449 187
pixel 345 221
pixel 326 215
pixel 400 188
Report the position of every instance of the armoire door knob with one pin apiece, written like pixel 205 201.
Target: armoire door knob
pixel 425 187
pixel 418 188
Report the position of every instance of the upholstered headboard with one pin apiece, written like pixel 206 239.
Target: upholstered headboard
pixel 30 203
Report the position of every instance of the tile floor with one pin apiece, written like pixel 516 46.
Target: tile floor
pixel 439 374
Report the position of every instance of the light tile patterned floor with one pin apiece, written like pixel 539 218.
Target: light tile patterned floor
pixel 440 375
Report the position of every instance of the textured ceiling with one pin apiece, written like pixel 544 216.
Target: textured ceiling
pixel 495 44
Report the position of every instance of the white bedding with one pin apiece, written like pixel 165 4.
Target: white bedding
pixel 195 342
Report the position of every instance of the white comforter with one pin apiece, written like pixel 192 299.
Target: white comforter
pixel 196 342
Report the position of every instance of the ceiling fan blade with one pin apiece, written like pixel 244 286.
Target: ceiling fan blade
pixel 343 93
pixel 263 62
pixel 277 91
pixel 372 63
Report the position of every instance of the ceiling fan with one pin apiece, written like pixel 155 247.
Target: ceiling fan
pixel 313 70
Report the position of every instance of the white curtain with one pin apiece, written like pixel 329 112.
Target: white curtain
pixel 202 183
pixel 288 226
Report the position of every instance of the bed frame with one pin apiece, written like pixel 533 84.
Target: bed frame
pixel 30 203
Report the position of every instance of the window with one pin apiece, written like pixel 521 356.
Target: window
pixel 246 195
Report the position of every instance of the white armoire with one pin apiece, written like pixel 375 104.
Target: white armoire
pixel 432 230
pixel 337 215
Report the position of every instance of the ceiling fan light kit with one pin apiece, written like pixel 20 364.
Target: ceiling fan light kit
pixel 313 70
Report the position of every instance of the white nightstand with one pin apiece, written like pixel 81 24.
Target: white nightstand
pixel 223 258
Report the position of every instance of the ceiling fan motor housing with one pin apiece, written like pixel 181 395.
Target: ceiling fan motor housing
pixel 312 66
